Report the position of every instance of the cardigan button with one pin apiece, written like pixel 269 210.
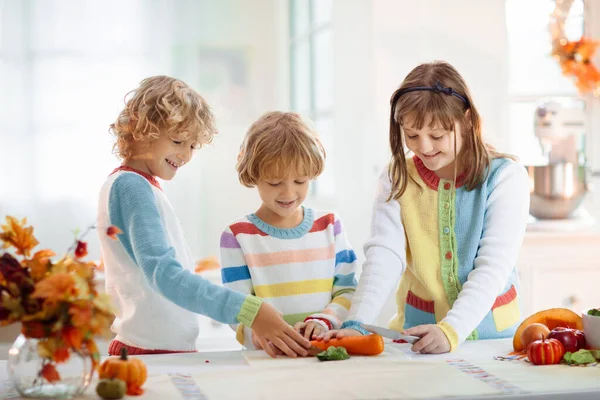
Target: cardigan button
pixel 449 255
pixel 446 230
pixel 447 185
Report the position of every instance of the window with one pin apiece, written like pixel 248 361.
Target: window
pixel 311 52
pixel 65 66
pixel 533 74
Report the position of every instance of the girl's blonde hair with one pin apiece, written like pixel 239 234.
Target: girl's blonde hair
pixel 277 144
pixel 438 109
pixel 162 105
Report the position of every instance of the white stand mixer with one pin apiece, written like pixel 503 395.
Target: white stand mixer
pixel 559 187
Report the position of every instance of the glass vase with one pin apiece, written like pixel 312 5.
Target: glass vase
pixel 25 368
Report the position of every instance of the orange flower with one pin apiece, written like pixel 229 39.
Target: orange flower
pixel 55 288
pixel 40 264
pixel 16 234
pixel 72 337
pixel 81 249
pixel 50 373
pixel 113 231
pixel 80 315
pixel 61 354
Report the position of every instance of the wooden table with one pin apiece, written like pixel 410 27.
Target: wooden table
pixel 471 372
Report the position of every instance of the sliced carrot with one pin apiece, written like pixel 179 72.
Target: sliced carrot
pixel 367 345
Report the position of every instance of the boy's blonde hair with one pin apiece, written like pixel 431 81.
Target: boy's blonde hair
pixel 162 105
pixel 277 144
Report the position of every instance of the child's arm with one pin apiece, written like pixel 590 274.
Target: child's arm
pixel 344 280
pixel 236 276
pixel 385 253
pixel 134 209
pixel 504 228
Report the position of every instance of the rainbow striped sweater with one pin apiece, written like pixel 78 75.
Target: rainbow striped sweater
pixel 455 256
pixel 304 271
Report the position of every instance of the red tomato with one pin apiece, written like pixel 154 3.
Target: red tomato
pixel 545 352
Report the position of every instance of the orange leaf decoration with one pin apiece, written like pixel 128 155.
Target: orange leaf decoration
pixel 81 249
pixel 61 354
pixel 40 264
pixel 16 234
pixel 80 316
pixel 113 231
pixel 55 288
pixel 34 329
pixel 72 337
pixel 50 373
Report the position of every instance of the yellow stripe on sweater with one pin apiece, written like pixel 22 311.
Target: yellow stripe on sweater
pixel 294 288
pixel 342 301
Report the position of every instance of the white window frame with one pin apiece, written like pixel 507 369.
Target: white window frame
pixel 313 113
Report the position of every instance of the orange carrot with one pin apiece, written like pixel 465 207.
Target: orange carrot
pixel 367 345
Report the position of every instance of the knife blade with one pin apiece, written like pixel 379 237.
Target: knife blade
pixel 390 333
pixel 313 351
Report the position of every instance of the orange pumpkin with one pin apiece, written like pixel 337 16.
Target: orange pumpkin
pixel 132 371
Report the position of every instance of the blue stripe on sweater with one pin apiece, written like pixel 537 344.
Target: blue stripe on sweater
pixel 344 280
pixel 232 274
pixel 133 208
pixel 345 256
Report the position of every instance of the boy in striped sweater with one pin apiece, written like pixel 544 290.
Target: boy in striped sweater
pixel 295 258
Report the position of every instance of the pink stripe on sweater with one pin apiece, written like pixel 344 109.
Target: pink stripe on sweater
pixel 290 256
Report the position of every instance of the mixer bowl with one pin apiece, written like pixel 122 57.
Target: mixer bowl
pixel 557 190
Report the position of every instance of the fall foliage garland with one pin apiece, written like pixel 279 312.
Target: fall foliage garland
pixel 574 57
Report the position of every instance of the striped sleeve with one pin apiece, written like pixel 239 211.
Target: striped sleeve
pixel 344 280
pixel 235 275
pixel 134 209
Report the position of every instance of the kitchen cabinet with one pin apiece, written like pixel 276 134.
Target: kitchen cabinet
pixel 560 269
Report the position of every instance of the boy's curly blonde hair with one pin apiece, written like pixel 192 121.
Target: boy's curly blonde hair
pixel 162 105
pixel 277 145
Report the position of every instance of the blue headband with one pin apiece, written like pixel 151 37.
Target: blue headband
pixel 438 88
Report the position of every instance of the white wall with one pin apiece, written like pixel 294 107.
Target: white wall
pixel 207 194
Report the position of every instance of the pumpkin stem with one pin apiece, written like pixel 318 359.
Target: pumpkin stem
pixel 123 354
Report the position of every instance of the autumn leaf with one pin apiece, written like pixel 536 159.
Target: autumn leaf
pixel 72 337
pixel 40 264
pixel 113 231
pixel 55 288
pixel 16 234
pixel 61 354
pixel 47 347
pixel 50 373
pixel 34 329
pixel 80 315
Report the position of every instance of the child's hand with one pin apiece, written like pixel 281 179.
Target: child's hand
pixel 271 332
pixel 338 333
pixel 256 343
pixel 433 339
pixel 310 329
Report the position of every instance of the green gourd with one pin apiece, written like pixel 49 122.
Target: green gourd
pixel 111 388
